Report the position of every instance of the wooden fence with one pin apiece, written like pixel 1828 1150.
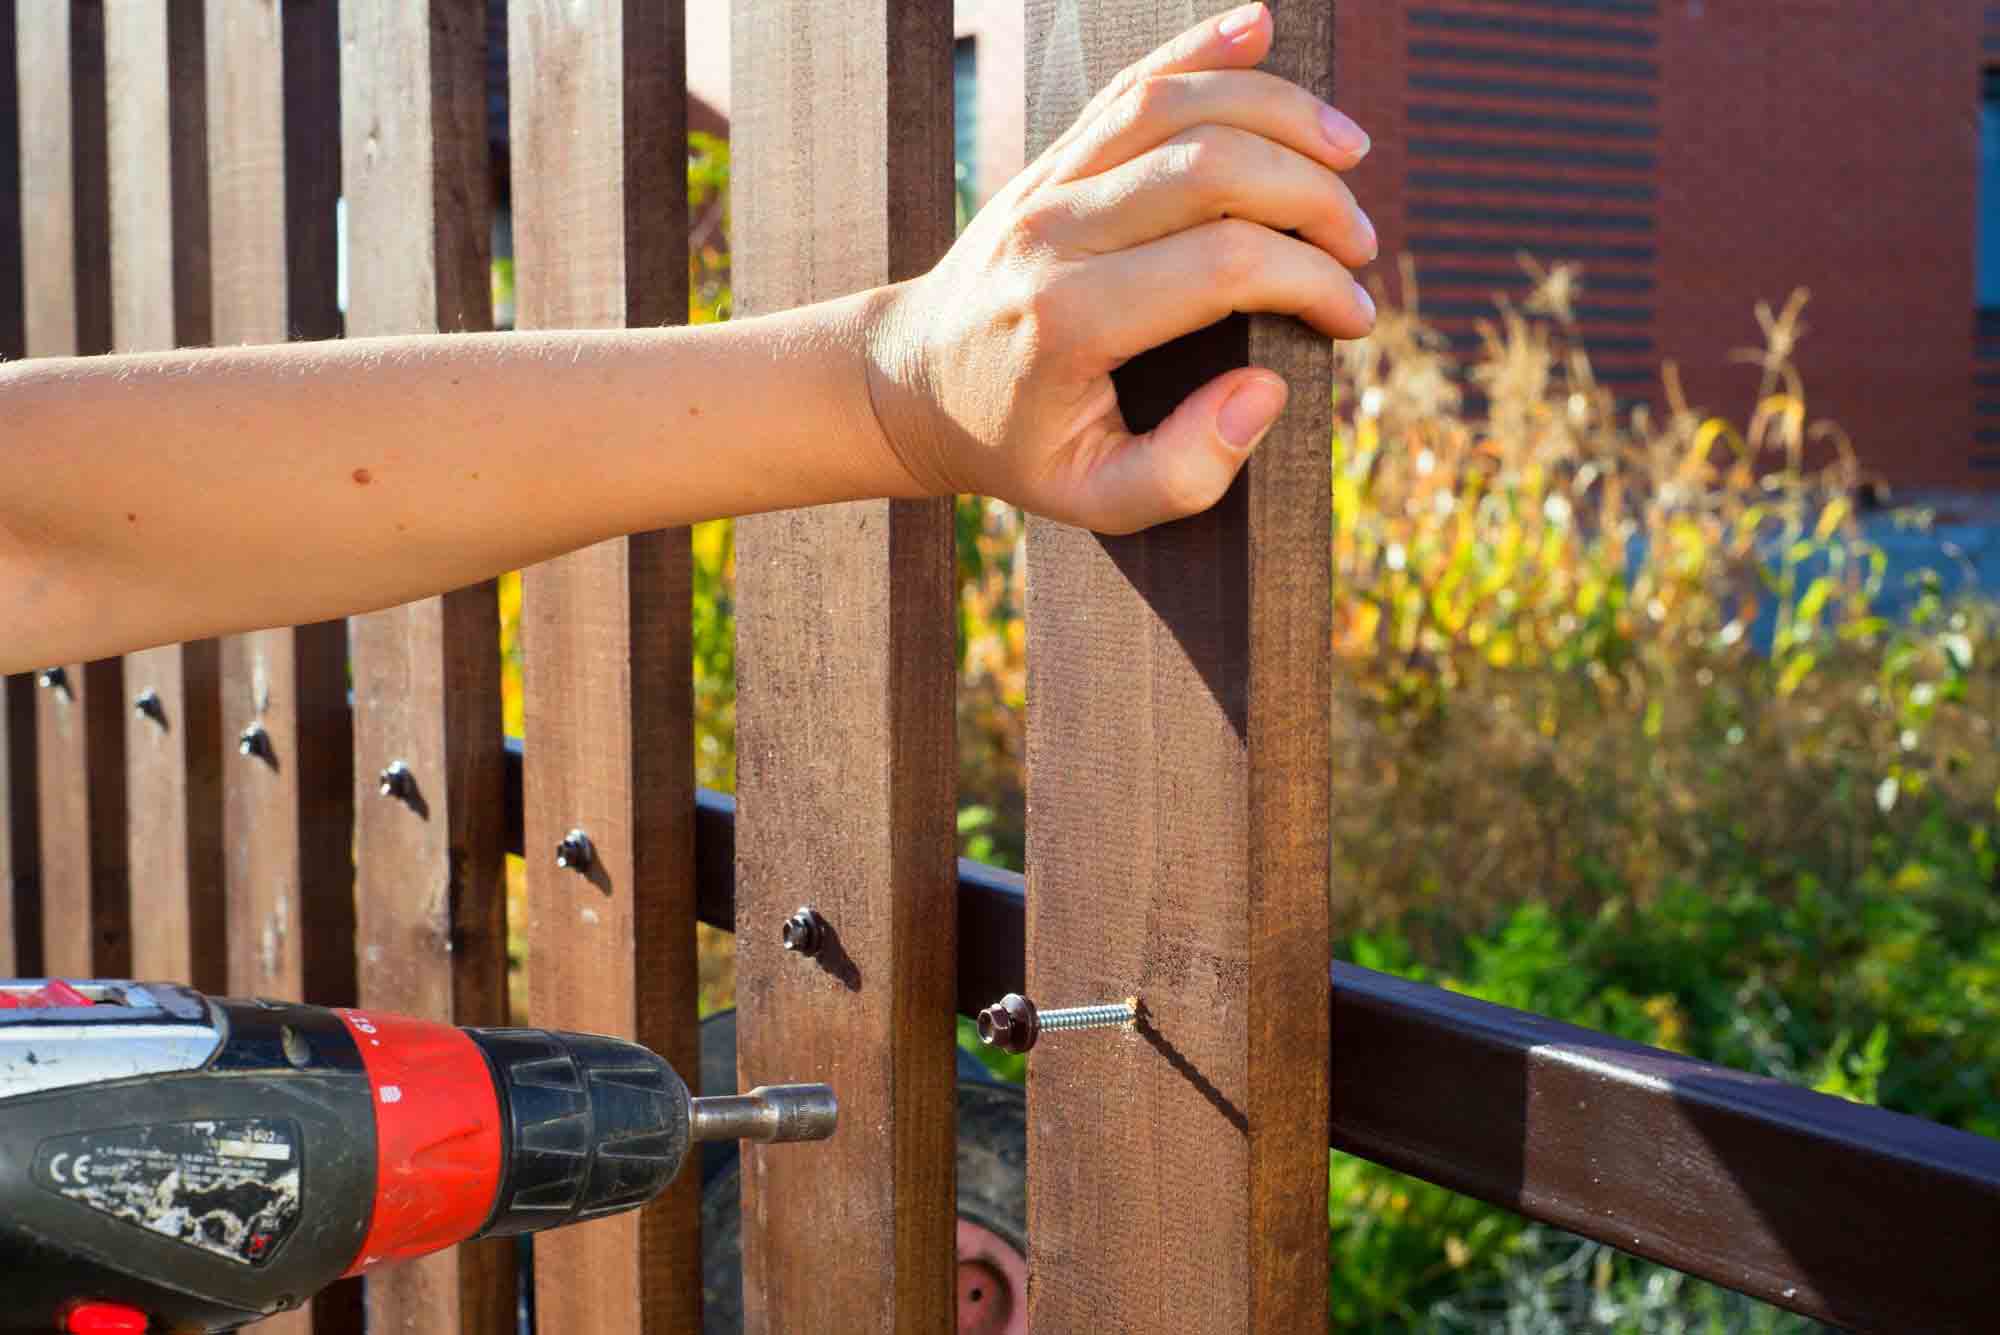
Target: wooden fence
pixel 210 812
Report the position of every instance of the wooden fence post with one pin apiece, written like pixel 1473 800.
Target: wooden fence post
pixel 597 113
pixel 156 129
pixel 841 136
pixel 20 853
pixel 1178 770
pixel 430 892
pixel 66 288
pixel 274 176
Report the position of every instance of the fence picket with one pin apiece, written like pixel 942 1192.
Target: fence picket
pixel 597 111
pixel 65 278
pixel 156 130
pixel 430 896
pixel 273 98
pixel 20 855
pixel 842 140
pixel 1178 760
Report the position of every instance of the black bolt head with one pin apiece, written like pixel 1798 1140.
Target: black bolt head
pixel 1009 1024
pixel 575 852
pixel 396 781
pixel 804 932
pixel 148 706
pixel 254 742
pixel 52 679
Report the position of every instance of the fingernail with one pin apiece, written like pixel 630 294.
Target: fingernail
pixel 1374 242
pixel 1248 413
pixel 1367 303
pixel 1237 22
pixel 1341 131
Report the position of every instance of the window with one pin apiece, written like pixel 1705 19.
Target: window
pixel 1989 194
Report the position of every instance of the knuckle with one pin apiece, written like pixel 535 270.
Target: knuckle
pixel 1235 252
pixel 1152 98
pixel 1184 490
pixel 1207 164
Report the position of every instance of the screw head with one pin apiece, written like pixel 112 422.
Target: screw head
pixel 575 853
pixel 396 781
pixel 805 932
pixel 1010 1024
pixel 254 742
pixel 52 679
pixel 148 705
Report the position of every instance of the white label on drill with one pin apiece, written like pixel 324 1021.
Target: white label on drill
pixel 227 1187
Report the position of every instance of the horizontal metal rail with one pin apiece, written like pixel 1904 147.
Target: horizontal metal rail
pixel 1867 1219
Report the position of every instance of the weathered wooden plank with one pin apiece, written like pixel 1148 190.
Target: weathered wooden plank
pixel 841 133
pixel 155 59
pixel 1178 757
pixel 597 109
pixel 20 854
pixel 430 901
pixel 66 285
pixel 273 103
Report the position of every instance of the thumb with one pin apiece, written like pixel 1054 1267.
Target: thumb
pixel 1183 465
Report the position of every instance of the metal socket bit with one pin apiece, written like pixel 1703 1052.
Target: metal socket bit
pixel 767 1113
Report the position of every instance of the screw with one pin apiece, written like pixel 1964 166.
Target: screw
pixel 148 706
pixel 805 931
pixel 1014 1023
pixel 253 741
pixel 53 679
pixel 575 852
pixel 396 781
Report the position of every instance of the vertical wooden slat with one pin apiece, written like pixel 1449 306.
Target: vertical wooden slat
pixel 155 61
pixel 66 295
pixel 842 138
pixel 598 115
pixel 274 160
pixel 1178 763
pixel 20 854
pixel 430 900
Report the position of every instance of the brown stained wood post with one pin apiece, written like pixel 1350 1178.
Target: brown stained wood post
pixel 65 278
pixel 20 852
pixel 597 109
pixel 430 894
pixel 1178 755
pixel 274 174
pixel 841 135
pixel 156 128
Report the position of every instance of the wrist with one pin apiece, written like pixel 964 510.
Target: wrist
pixel 900 396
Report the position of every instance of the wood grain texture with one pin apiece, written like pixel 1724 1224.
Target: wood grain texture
pixel 430 894
pixel 157 131
pixel 274 174
pixel 598 114
pixel 66 299
pixel 841 134
pixel 1178 761
pixel 20 839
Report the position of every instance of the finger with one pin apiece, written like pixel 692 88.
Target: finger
pixel 1183 465
pixel 1237 39
pixel 1156 110
pixel 1205 174
pixel 1121 304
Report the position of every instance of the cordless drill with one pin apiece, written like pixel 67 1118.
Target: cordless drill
pixel 181 1163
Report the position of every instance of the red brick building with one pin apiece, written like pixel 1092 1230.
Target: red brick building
pixel 1695 156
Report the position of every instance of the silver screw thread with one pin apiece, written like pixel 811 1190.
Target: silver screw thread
pixel 1091 1017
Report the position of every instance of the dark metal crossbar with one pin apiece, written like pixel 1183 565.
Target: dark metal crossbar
pixel 1868 1219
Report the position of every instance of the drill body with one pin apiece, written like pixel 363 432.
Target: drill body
pixel 176 1162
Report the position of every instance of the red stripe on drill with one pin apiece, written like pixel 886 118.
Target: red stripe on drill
pixel 438 1142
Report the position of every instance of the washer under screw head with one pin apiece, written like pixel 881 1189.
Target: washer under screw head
pixel 53 679
pixel 805 932
pixel 148 705
pixel 575 852
pixel 396 781
pixel 254 742
pixel 1014 1023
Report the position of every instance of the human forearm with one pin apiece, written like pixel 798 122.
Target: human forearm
pixel 157 497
